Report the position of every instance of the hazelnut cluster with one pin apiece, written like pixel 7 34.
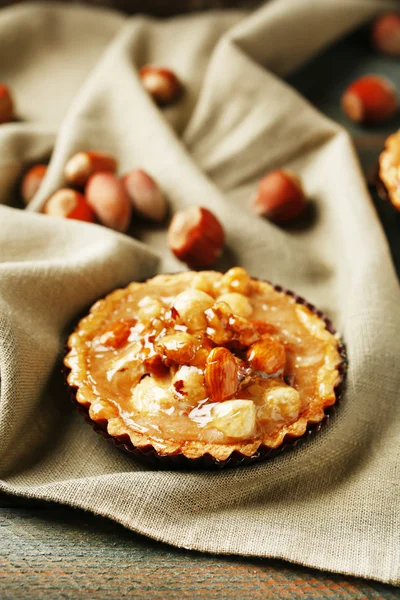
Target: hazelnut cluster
pixel 211 336
pixel 208 359
pixel 94 192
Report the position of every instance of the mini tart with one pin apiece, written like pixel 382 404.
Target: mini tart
pixel 211 368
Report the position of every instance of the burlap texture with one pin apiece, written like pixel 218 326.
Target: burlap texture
pixel 331 504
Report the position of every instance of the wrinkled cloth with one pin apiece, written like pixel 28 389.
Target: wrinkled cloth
pixel 332 503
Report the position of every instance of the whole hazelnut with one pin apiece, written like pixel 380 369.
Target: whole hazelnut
pixel 196 237
pixel 69 204
pixel 385 33
pixel 32 181
pixel 370 99
pixel 84 164
pixel 6 104
pixel 107 197
pixel 161 83
pixel 146 197
pixel 279 197
pixel 191 305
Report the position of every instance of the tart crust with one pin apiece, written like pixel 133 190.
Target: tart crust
pixel 388 175
pixel 107 420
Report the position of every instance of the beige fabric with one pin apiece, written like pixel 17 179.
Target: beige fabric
pixel 332 504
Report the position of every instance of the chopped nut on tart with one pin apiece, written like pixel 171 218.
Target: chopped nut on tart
pixel 204 363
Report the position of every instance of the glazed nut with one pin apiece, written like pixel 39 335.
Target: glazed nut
pixel 196 237
pixel 236 279
pixel 188 384
pixel 147 199
pixel 150 396
pixel 370 99
pixel 69 204
pixel 161 83
pixel 279 197
pixel 235 418
pixel 244 333
pixel 31 182
pixel 238 303
pixel 107 197
pixel 386 33
pixel 268 355
pixel 217 318
pixel 6 104
pixel 281 403
pixel 221 374
pixel 205 281
pixel 190 306
pixel 84 164
pixel 154 364
pixel 178 347
pixel 203 349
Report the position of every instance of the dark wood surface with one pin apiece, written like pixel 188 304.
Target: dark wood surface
pixel 57 553
pixel 52 552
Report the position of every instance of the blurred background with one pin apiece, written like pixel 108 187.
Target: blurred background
pixel 161 8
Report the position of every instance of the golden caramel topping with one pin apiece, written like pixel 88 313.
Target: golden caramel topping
pixel 118 333
pixel 221 374
pixel 204 358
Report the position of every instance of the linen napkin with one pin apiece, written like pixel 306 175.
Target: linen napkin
pixel 332 503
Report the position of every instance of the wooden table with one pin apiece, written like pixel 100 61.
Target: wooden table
pixel 52 552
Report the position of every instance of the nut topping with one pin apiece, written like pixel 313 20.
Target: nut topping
pixel 238 303
pixel 280 403
pixel 236 279
pixel 221 374
pixel 243 331
pixel 267 355
pixel 188 383
pixel 235 418
pixel 190 306
pixel 177 347
pixel 176 360
pixel 217 323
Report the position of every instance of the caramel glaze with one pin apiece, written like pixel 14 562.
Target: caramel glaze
pixel 117 347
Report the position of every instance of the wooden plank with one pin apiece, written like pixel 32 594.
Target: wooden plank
pixel 61 553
